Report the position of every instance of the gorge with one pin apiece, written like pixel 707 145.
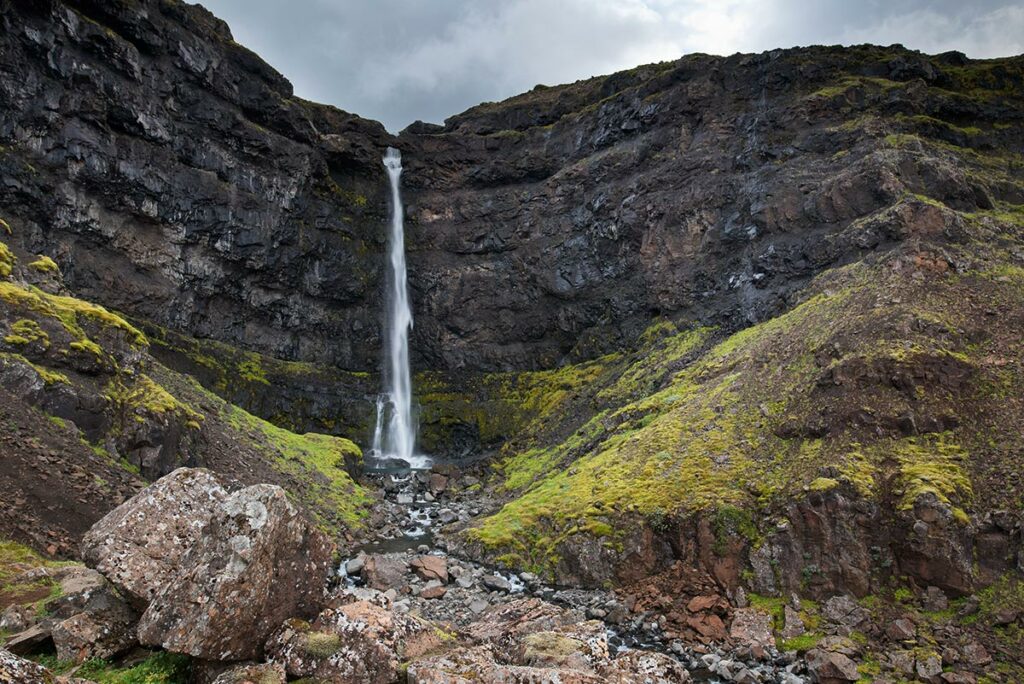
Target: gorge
pixel 719 358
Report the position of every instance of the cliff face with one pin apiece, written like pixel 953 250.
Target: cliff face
pixel 560 222
pixel 174 176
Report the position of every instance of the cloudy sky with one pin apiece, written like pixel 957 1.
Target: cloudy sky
pixel 401 60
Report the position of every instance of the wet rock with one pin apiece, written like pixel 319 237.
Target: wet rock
pixel 262 673
pixel 496 583
pixel 826 667
pixel 259 562
pixel 385 572
pixel 357 643
pixel 431 568
pixel 141 544
pixel 355 565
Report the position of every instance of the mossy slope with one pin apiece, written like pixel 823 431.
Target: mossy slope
pixel 896 375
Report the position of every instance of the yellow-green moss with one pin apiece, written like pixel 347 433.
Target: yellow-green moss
pixel 251 370
pixel 933 465
pixel 72 313
pixel 7 261
pixel 144 396
pixel 6 227
pixel 321 644
pixel 44 264
pixel 823 484
pixel 25 331
pixel 315 459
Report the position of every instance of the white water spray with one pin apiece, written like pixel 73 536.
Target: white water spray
pixel 394 436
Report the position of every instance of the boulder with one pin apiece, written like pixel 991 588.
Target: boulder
pixel 385 572
pixel 826 667
pixel 496 583
pixel 752 628
pixel 140 545
pixel 644 666
pixel 504 624
pixel 901 630
pixel 793 624
pixel 431 568
pixel 357 643
pixel 259 563
pixel 15 670
pixel 580 647
pixel 478 665
pixel 433 590
pixel 262 673
pixel 844 612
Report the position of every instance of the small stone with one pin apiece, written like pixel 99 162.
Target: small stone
pixel 431 568
pixel 478 606
pixel 465 581
pixel 496 583
pixel 354 566
pixel 935 600
pixel 929 667
pixel 901 630
pixel 433 590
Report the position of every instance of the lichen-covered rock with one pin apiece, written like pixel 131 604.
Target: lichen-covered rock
pixel 140 545
pixel 356 643
pixel 478 666
pixel 582 646
pixel 827 667
pixel 752 628
pixel 101 624
pixel 261 673
pixel 503 625
pixel 647 667
pixel 488 665
pixel 258 563
pixel 15 670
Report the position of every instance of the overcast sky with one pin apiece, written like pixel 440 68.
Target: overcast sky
pixel 401 60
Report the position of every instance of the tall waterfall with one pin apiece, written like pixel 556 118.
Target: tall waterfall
pixel 394 436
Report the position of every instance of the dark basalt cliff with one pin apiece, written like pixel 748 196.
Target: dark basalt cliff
pixel 174 176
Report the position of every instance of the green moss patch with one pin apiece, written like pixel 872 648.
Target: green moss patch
pixel 44 264
pixel 317 460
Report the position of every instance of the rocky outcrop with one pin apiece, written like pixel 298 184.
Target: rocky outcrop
pixel 216 572
pixel 360 641
pixel 533 641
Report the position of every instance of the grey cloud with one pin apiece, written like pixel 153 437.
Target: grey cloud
pixel 401 60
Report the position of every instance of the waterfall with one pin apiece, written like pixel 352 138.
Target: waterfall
pixel 395 432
